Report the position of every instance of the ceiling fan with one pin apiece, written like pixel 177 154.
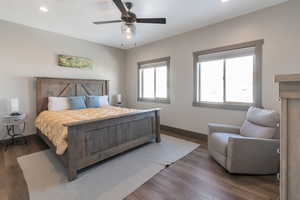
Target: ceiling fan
pixel 129 19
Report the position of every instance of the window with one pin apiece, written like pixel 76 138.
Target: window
pixel 153 80
pixel 228 77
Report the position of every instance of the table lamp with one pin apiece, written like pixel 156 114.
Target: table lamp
pixel 14 107
pixel 119 99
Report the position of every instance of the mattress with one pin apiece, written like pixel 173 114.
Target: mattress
pixel 51 123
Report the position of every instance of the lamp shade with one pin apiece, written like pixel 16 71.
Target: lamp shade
pixel 14 105
pixel 119 98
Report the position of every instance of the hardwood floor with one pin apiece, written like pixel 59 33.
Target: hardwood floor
pixel 12 182
pixel 196 176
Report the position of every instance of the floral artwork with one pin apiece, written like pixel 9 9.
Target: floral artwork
pixel 75 62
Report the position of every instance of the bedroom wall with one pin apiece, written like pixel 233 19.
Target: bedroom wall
pixel 280 28
pixel 27 52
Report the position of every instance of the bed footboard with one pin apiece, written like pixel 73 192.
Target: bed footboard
pixel 95 140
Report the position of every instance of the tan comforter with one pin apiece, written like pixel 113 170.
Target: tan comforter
pixel 50 123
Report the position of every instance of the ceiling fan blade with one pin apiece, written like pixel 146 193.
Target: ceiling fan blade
pixel 107 22
pixel 152 20
pixel 121 6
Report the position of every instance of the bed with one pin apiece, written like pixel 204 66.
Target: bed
pixel 91 141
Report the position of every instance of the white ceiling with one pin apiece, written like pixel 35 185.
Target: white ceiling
pixel 74 17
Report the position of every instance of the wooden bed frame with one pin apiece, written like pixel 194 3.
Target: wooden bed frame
pixel 95 140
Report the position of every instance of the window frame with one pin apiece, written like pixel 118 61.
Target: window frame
pixel 257 76
pixel 150 64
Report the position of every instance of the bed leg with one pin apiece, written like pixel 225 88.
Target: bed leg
pixel 72 174
pixel 157 126
pixel 73 152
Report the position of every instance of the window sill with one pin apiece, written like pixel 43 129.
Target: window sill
pixel 164 101
pixel 242 107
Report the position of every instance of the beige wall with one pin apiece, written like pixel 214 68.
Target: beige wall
pixel 26 53
pixel 280 28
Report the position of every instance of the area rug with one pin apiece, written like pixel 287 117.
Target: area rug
pixel 113 179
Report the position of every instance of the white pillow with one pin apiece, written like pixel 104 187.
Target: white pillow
pixel 255 131
pixel 58 103
pixel 263 117
pixel 103 100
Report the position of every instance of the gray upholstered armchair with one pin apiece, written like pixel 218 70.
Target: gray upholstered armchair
pixel 250 149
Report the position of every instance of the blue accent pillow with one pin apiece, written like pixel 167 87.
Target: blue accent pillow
pixel 93 101
pixel 77 102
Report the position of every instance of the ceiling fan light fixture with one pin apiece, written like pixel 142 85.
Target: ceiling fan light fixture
pixel 128 36
pixel 129 19
pixel 128 30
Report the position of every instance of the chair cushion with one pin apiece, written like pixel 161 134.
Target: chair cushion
pixel 262 117
pixel 219 141
pixel 250 129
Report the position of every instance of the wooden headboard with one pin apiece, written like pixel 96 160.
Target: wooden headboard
pixel 62 87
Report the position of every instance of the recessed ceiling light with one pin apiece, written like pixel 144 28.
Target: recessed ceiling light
pixel 224 1
pixel 43 9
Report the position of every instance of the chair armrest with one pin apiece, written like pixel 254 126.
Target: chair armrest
pixel 223 128
pixel 253 155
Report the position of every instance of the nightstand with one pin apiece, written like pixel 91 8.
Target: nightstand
pixel 12 124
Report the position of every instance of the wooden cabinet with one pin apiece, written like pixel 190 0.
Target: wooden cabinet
pixel 289 92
